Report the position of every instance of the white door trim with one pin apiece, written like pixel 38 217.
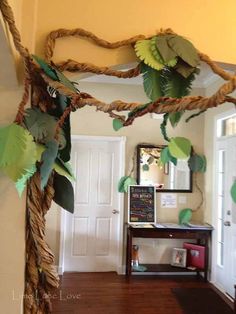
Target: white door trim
pixel 222 115
pixel 122 141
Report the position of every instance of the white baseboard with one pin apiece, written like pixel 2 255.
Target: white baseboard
pixel 59 270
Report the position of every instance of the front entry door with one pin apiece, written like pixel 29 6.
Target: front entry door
pixel 92 233
pixel 226 220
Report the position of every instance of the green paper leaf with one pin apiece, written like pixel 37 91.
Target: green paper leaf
pixel 185 216
pixel 145 167
pixel 163 127
pixel 151 82
pixel 48 159
pixel 22 182
pixel 64 192
pixel 129 181
pixel 65 81
pixel 125 182
pixel 158 56
pixel 233 192
pixel 13 143
pixel 165 50
pixel 144 53
pixel 117 124
pixel 64 169
pixel 203 169
pixel 42 126
pixel 166 156
pixel 175 84
pixel 197 163
pixel 175 117
pixel 184 49
pixel 48 70
pixel 180 147
pixel 184 69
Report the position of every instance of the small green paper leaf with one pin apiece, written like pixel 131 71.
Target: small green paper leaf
pixel 121 184
pixel 184 49
pixel 117 124
pixel 145 167
pixel 185 216
pixel 233 192
pixel 129 181
pixel 144 53
pixel 197 163
pixel 64 192
pixel 175 117
pixel 48 159
pixel 125 182
pixel 180 147
pixel 65 81
pixel 49 71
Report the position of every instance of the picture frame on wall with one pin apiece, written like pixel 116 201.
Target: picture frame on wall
pixel 179 257
pixel 141 204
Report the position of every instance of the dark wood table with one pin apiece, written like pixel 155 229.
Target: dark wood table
pixel 202 237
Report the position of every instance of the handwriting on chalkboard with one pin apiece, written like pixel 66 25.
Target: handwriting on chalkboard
pixel 142 204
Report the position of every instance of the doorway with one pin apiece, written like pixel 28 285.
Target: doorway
pixel 224 241
pixel 92 238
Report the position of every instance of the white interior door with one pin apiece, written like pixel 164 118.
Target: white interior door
pixel 226 216
pixel 93 233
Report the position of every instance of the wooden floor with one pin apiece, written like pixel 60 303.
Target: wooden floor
pixel 109 293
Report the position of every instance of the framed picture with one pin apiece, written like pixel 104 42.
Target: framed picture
pixel 142 204
pixel 179 257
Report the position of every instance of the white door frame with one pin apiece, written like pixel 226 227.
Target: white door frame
pixel 119 264
pixel 222 115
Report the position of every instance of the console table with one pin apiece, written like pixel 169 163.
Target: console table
pixel 202 237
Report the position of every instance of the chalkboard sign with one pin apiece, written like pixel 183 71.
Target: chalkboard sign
pixel 142 204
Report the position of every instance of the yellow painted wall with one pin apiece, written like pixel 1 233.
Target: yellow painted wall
pixel 209 24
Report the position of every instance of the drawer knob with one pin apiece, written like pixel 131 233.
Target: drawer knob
pixel 170 235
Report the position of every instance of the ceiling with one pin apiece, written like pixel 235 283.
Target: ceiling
pixel 203 80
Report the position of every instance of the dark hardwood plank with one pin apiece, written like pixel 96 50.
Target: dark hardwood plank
pixel 109 293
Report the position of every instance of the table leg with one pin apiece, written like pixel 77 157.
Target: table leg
pixel 128 254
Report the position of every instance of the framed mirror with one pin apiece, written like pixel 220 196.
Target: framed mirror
pixel 168 178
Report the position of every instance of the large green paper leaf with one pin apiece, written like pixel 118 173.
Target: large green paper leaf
pixel 165 50
pixel 48 159
pixel 185 216
pixel 65 81
pixel 22 182
pixel 180 147
pixel 144 53
pixel 117 124
pixel 184 69
pixel 155 51
pixel 13 143
pixel 233 192
pixel 197 163
pixel 125 182
pixel 64 192
pixel 152 82
pixel 184 49
pixel 42 126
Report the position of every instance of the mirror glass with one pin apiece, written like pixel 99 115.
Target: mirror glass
pixel 168 178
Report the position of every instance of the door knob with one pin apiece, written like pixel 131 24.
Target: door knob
pixel 115 211
pixel 227 223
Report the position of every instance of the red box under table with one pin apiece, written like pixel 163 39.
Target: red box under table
pixel 195 255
